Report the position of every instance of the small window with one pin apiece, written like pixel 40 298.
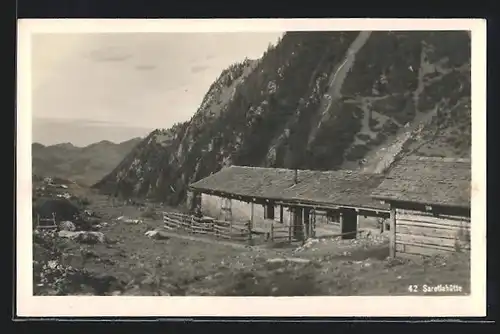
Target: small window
pixel 269 211
pixel 333 217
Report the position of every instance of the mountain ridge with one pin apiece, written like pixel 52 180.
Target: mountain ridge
pixel 85 164
pixel 316 100
pixel 70 144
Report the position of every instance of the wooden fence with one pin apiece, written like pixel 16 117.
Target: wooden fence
pixel 280 233
pixel 46 223
pixel 234 230
pixel 212 227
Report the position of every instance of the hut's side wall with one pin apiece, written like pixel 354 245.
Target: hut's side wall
pixel 211 205
pixel 425 233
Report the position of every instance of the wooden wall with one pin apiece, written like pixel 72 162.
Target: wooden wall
pixel 428 233
pixel 211 205
pixel 193 200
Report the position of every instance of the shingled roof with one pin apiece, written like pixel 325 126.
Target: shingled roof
pixel 339 188
pixel 428 180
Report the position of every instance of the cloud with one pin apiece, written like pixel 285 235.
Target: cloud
pixel 145 67
pixel 109 54
pixel 82 133
pixel 80 121
pixel 143 79
pixel 199 68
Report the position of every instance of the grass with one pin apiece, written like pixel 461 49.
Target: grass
pixel 130 263
pixel 133 264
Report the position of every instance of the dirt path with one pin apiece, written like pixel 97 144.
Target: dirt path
pixel 339 76
pixel 383 157
pixel 365 126
pixel 337 80
pixel 379 159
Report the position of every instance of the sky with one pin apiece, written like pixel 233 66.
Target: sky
pixel 88 87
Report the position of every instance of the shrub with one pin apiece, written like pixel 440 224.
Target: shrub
pixel 50 274
pixel 364 137
pixel 372 123
pixel 357 152
pixel 55 278
pixel 81 201
pixel 379 139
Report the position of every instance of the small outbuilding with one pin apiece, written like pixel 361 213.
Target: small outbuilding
pixel 60 207
pixel 430 205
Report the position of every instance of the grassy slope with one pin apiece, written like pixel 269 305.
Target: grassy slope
pixel 210 268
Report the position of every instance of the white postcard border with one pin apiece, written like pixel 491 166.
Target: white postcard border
pixel 47 306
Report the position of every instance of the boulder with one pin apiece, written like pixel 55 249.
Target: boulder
pixel 67 226
pixel 86 237
pixel 158 235
pixel 133 221
pixel 288 259
pixel 101 225
pixel 68 234
pixel 129 220
pixel 91 237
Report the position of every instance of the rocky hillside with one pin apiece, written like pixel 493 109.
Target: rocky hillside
pixel 316 100
pixel 85 165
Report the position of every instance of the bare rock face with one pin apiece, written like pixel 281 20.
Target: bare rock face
pixel 316 100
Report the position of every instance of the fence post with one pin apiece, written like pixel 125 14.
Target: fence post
pixel 313 224
pixel 249 225
pixel 230 228
pixel 272 232
pixel 392 234
pixel 304 230
pixel 192 225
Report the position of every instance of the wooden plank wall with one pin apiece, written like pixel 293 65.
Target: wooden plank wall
pixel 425 233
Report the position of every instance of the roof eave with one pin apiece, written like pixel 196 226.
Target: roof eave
pixel 290 201
pixel 392 199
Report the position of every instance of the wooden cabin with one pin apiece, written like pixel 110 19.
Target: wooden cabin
pixel 295 198
pixel 429 202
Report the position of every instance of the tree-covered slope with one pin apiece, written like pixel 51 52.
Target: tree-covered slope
pixel 316 100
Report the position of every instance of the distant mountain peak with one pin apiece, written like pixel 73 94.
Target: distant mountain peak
pixel 82 164
pixel 106 142
pixel 37 145
pixel 135 139
pixel 64 145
